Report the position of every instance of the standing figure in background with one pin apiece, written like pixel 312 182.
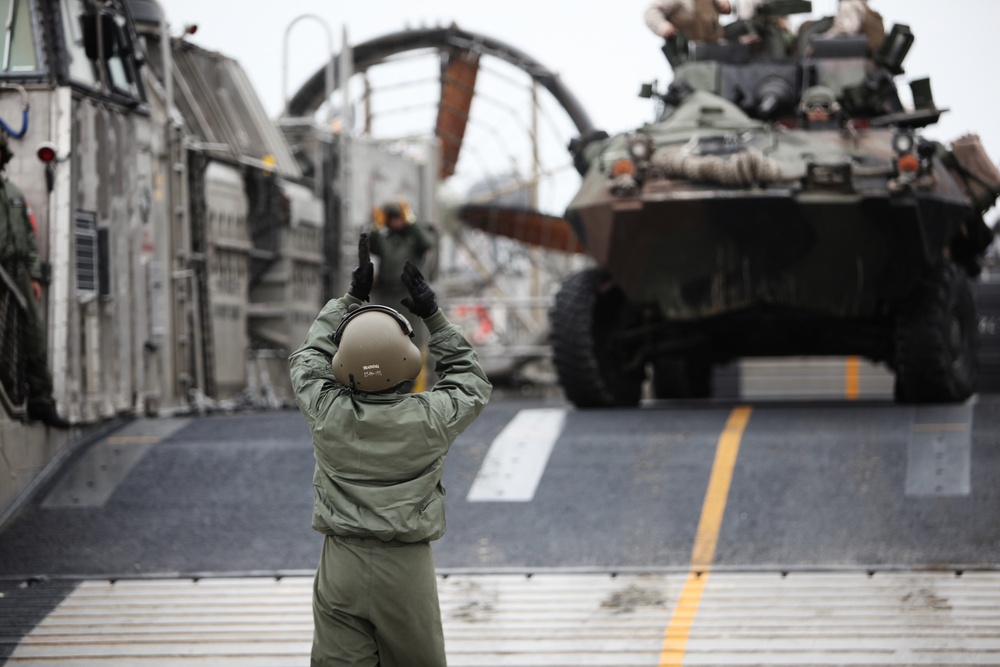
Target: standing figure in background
pixel 19 258
pixel 856 17
pixel 398 240
pixel 697 20
pixel 767 34
pixel 681 21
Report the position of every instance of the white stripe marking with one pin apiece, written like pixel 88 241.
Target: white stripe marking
pixel 939 455
pixel 517 458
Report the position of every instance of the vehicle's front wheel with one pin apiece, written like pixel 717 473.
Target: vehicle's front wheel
pixel 936 341
pixel 596 368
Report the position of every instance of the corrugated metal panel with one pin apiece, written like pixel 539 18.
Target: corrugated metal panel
pixel 221 108
pixel 814 378
pixel 837 618
pixel 988 303
pixel 266 139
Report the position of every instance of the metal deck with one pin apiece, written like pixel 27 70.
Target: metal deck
pixel 797 618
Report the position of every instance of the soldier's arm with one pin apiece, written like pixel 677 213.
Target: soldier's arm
pixel 34 260
pixel 34 265
pixel 462 389
pixel 657 14
pixel 23 219
pixel 425 239
pixel 310 364
pixel 848 19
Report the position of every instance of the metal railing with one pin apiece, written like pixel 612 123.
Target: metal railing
pixel 507 327
pixel 13 361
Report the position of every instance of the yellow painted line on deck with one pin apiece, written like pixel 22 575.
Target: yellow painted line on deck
pixel 852 379
pixel 705 540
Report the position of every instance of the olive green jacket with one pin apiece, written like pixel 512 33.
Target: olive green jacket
pixel 379 457
pixel 393 249
pixel 18 249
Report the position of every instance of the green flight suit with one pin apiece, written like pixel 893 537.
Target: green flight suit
pixel 394 248
pixel 378 496
pixel 19 258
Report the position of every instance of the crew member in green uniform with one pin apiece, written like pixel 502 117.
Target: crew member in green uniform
pixel 398 240
pixel 19 258
pixel 378 496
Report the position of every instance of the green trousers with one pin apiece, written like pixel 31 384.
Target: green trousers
pixel 38 376
pixel 376 605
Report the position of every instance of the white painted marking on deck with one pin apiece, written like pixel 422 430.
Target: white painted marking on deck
pixel 939 454
pixel 517 458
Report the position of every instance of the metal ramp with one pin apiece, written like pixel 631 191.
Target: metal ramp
pixel 545 619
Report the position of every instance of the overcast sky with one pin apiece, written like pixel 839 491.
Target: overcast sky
pixel 601 50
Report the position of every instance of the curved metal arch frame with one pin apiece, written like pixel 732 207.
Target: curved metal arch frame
pixel 373 52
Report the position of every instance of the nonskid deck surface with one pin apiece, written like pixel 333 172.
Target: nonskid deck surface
pixel 837 528
pixel 551 618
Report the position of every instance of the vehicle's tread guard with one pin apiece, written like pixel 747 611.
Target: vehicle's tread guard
pixel 930 366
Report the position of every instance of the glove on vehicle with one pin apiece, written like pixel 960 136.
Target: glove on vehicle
pixel 421 301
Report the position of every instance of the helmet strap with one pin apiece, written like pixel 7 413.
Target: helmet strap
pixel 403 324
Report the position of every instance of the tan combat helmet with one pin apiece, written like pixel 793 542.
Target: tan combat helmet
pixel 821 98
pixel 375 352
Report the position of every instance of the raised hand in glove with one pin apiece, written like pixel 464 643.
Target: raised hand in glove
pixel 421 301
pixel 362 277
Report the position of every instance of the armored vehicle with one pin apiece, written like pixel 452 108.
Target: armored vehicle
pixel 783 203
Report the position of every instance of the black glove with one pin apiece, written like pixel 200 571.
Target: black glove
pixel 421 301
pixel 362 277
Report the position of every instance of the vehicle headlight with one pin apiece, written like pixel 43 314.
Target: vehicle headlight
pixel 902 143
pixel 640 147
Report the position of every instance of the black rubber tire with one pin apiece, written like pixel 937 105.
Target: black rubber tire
pixel 936 341
pixel 588 309
pixel 680 377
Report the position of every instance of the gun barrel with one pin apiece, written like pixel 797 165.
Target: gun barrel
pixel 785 7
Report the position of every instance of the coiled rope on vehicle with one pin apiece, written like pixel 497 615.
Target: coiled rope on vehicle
pixel 737 170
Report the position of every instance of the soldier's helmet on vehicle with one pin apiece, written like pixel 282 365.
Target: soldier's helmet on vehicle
pixel 375 350
pixel 819 105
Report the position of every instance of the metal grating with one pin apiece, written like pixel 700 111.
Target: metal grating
pixel 833 618
pixel 87 257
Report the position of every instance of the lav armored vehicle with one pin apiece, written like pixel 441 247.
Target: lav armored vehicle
pixel 783 203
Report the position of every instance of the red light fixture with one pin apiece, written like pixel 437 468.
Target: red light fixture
pixel 909 163
pixel 47 152
pixel 623 167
